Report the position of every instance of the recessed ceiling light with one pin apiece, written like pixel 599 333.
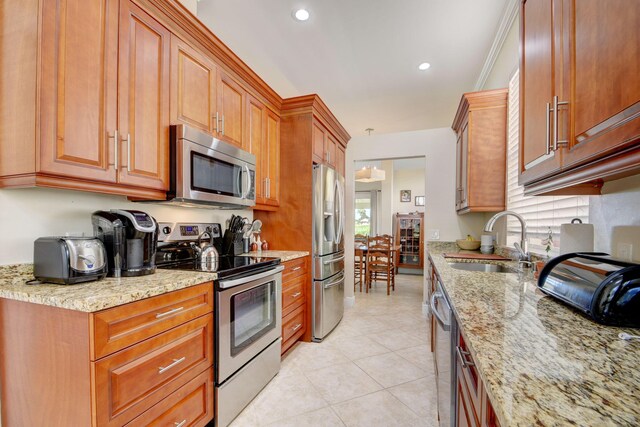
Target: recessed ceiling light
pixel 301 14
pixel 424 66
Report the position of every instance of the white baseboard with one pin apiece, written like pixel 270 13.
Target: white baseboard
pixel 425 308
pixel 349 301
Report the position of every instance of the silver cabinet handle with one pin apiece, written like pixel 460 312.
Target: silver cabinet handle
pixel 223 124
pixel 167 313
pixel 268 187
pixel 217 121
pixel 295 328
pixel 556 103
pixel 296 268
pixel 462 357
pixel 548 129
pixel 116 151
pixel 180 424
pixel 296 295
pixel 162 369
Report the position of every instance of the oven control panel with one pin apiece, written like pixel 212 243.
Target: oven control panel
pixel 180 231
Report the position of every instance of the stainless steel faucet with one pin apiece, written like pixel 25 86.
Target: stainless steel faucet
pixel 522 248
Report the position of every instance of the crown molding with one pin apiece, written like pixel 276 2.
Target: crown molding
pixel 509 15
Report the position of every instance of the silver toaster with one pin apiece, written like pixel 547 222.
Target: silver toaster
pixel 69 260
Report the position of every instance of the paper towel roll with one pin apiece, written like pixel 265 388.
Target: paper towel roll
pixel 576 238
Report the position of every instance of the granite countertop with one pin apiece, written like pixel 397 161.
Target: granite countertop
pixel 94 296
pixel 283 255
pixel 542 362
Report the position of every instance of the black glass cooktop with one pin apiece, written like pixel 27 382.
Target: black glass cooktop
pixel 226 266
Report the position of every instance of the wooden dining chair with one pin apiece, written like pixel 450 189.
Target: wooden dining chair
pixel 379 263
pixel 359 266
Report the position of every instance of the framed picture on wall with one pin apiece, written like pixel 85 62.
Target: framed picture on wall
pixel 405 195
pixel 419 200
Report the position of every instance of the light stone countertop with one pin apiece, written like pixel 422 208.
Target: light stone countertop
pixel 542 362
pixel 283 255
pixel 94 296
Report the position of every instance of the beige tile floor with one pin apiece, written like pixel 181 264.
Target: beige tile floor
pixel 375 369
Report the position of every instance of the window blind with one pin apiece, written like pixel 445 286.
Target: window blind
pixel 543 214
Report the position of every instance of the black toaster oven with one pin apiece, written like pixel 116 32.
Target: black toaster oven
pixel 605 289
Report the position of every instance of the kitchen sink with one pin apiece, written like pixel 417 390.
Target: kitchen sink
pixel 480 266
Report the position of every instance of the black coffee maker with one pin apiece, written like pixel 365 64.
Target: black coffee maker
pixel 130 238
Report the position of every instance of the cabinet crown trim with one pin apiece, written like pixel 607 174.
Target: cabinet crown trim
pixel 313 104
pixel 477 100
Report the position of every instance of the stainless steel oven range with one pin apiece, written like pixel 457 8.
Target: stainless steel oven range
pixel 248 313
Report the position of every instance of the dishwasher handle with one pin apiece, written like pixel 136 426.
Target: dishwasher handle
pixel 446 326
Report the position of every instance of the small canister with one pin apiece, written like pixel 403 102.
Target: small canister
pixel 486 244
pixel 245 245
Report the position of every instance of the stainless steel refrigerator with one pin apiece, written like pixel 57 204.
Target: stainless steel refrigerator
pixel 328 250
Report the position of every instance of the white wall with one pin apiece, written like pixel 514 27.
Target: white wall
pixel 407 179
pixel 438 146
pixel 26 214
pixel 507 60
pixel 191 5
pixel 385 216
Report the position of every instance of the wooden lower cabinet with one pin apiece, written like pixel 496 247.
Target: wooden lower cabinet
pixel 473 406
pixel 65 367
pixel 189 406
pixel 295 287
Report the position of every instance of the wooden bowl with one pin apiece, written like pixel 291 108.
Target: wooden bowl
pixel 468 245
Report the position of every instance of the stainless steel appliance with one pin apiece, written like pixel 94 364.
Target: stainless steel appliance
pixel 248 309
pixel 69 260
pixel 209 172
pixel 328 251
pixel 130 238
pixel 605 289
pixel 445 339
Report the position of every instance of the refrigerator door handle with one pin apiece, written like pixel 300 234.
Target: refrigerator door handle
pixel 339 208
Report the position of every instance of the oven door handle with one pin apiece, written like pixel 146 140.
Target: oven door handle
pixel 334 283
pixel 441 321
pixel 224 284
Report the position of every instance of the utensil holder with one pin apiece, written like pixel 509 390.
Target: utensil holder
pixel 232 244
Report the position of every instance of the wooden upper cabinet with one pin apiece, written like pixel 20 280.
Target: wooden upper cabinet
pixel 330 149
pixel 79 89
pixel 603 110
pixel 256 136
pixel 481 126
pixel 231 109
pixel 340 159
pixel 193 88
pixel 580 94
pixel 264 142
pixel 318 138
pixel 143 97
pixel 538 79
pixel 271 162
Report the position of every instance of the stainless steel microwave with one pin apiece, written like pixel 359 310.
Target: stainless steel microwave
pixel 207 172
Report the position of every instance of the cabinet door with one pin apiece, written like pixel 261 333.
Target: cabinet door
pixel 193 88
pixel 458 170
pixel 537 88
pixel 330 150
pixel 143 99
pixel 318 137
pixel 231 109
pixel 272 162
pixel 256 146
pixel 464 166
pixel 340 156
pixel 79 88
pixel 604 62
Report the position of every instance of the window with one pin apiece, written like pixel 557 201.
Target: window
pixel 541 213
pixel 365 214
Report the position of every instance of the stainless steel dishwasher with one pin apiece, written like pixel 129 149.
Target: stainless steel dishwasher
pixel 445 333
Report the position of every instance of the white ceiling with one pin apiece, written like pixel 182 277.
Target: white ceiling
pixel 361 56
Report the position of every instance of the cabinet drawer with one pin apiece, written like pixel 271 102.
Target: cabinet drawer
pixel 293 294
pixel 469 373
pixel 293 324
pixel 294 268
pixel 125 325
pixel 189 406
pixel 129 382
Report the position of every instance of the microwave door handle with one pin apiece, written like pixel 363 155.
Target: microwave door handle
pixel 249 183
